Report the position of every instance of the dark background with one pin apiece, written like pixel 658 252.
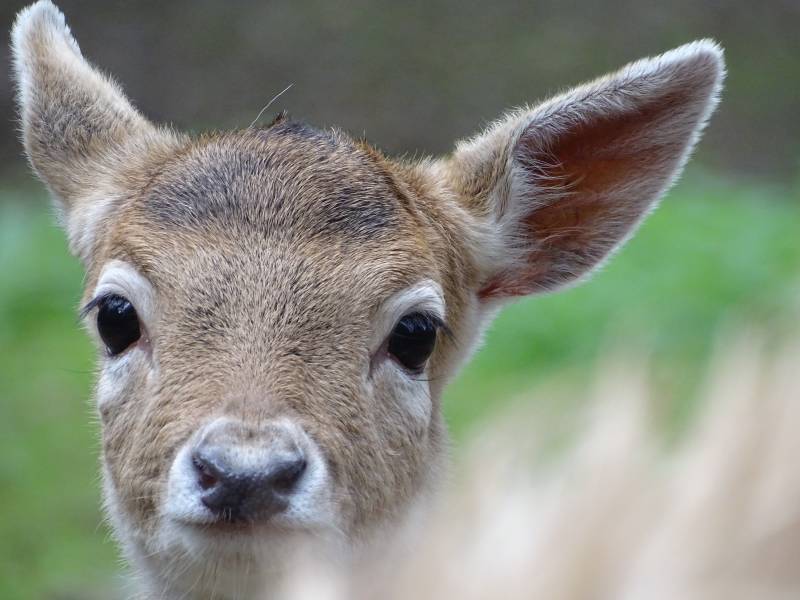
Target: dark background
pixel 414 76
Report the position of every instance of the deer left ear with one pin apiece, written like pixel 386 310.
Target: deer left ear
pixel 78 128
pixel 564 184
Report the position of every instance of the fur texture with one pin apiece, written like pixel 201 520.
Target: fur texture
pixel 262 264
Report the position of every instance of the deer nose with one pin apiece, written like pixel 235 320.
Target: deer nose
pixel 236 493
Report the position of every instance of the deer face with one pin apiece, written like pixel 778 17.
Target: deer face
pixel 274 321
pixel 275 326
pixel 277 309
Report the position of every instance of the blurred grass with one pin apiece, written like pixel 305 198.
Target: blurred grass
pixel 51 536
pixel 713 255
pixel 712 252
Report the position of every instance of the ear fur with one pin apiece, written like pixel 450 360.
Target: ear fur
pixel 563 184
pixel 77 127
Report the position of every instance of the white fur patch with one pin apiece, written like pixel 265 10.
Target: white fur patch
pixel 83 222
pixel 187 556
pixel 411 392
pixel 122 279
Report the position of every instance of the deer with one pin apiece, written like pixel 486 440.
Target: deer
pixel 278 309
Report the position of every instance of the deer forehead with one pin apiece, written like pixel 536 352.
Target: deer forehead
pixel 287 181
pixel 289 218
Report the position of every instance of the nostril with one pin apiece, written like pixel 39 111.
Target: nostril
pixel 207 474
pixel 286 474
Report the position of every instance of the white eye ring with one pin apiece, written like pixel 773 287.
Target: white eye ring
pixel 424 297
pixel 119 278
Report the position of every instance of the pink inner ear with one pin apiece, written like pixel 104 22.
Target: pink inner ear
pixel 603 174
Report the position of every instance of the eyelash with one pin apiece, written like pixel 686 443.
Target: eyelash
pixel 434 319
pixel 92 304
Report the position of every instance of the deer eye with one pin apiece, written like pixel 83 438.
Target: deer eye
pixel 117 323
pixel 412 340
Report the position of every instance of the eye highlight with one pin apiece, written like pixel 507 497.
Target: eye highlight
pixel 117 322
pixel 413 339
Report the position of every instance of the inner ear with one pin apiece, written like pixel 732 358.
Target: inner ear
pixel 586 167
pixel 594 184
pixel 603 151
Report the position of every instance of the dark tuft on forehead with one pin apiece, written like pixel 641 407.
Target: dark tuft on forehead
pixel 285 127
pixel 288 179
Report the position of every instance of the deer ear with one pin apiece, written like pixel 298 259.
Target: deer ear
pixel 77 126
pixel 564 184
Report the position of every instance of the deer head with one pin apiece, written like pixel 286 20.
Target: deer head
pixel 277 309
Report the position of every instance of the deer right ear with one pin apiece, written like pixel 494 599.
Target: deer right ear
pixel 558 187
pixel 77 126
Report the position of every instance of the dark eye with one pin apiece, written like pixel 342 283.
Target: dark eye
pixel 117 323
pixel 412 340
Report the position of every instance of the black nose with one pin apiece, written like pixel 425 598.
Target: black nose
pixel 246 495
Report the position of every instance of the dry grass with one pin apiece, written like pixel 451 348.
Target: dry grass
pixel 617 515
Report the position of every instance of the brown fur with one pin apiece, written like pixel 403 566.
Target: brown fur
pixel 292 341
